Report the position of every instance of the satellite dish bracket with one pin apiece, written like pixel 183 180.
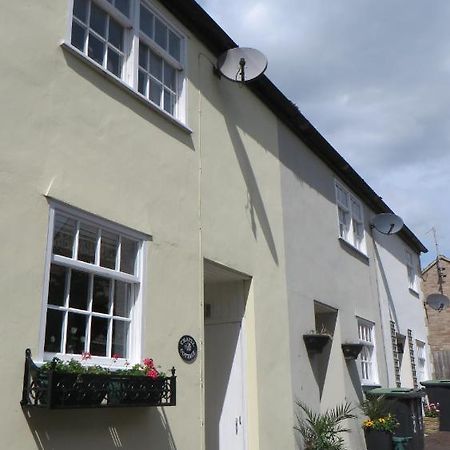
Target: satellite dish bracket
pixel 241 64
pixel 387 223
pixel 438 302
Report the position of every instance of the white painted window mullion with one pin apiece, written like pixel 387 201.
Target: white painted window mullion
pixel 98 245
pixel 132 45
pixel 119 253
pixel 64 332
pixel 76 240
pixel 66 314
pixel 88 26
pixel 110 321
pixel 90 292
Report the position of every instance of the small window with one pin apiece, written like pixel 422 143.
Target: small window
pixel 350 218
pixel 93 288
pixel 367 357
pixel 421 361
pixel 411 271
pixel 153 68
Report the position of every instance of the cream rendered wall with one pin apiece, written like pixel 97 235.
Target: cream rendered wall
pixel 69 133
pixel 240 190
pixel 400 304
pixel 323 268
pixel 242 228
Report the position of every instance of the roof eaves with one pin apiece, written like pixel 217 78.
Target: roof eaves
pixel 432 263
pixel 195 18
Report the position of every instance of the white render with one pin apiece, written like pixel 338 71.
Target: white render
pixel 232 185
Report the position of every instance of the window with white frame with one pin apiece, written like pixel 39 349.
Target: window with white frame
pixel 411 271
pixel 367 357
pixel 350 217
pixel 421 361
pixel 133 42
pixel 94 283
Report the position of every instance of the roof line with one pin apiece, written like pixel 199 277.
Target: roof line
pixel 195 18
pixel 432 263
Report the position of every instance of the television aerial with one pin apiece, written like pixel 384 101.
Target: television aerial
pixel 387 223
pixel 438 301
pixel 242 64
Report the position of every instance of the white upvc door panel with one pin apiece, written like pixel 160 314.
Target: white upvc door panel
pixel 225 406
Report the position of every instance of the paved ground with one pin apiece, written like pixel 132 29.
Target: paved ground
pixel 438 441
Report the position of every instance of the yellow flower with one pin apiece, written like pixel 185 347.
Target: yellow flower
pixel 368 423
pixel 381 420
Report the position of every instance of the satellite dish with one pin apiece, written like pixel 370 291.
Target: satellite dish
pixel 242 64
pixel 438 301
pixel 387 223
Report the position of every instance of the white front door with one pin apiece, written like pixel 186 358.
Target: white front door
pixel 224 387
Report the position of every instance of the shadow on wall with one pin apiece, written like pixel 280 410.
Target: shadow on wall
pixel 355 379
pixel 126 99
pixel 325 321
pixel 256 202
pixel 126 428
pixel 385 283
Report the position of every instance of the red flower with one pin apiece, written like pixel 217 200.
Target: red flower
pixel 148 362
pixel 85 355
pixel 116 356
pixel 153 373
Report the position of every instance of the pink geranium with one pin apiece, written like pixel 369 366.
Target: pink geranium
pixel 148 362
pixel 153 373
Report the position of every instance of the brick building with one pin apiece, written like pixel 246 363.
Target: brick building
pixel 438 321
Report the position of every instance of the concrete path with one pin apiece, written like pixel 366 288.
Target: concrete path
pixel 438 441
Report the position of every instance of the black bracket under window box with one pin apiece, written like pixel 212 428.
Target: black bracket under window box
pixel 316 342
pixel 351 351
pixel 56 390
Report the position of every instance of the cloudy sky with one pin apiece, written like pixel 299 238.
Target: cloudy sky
pixel 373 76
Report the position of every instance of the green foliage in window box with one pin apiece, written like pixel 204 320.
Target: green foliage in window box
pixel 73 384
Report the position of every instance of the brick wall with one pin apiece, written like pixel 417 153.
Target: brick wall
pixel 438 322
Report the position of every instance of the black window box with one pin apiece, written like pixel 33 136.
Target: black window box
pixel 316 342
pixel 351 350
pixel 56 390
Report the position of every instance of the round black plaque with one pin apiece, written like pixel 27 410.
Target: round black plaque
pixel 187 348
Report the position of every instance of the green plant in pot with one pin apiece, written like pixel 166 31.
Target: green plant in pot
pixel 322 431
pixel 380 423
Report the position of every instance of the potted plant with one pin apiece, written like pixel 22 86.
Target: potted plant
pixel 321 431
pixel 316 341
pixel 379 425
